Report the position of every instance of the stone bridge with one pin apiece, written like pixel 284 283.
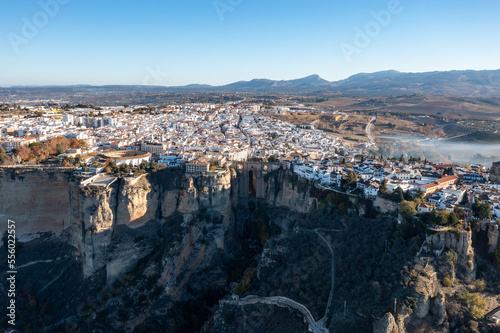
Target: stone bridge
pixel 251 178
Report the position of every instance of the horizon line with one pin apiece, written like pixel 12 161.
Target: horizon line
pixel 222 85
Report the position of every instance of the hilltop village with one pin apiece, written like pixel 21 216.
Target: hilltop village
pixel 207 138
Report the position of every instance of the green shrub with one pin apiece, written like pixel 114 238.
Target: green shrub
pixel 447 282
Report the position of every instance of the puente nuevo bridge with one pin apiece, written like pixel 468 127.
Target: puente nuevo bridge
pixel 251 178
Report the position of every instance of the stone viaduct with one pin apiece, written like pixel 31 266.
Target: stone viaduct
pixel 251 178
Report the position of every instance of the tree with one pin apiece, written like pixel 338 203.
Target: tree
pixel 481 210
pixel 460 213
pixel 451 257
pixel 476 306
pixel 125 168
pixel 3 153
pixel 350 179
pixel 74 143
pixel 82 143
pixel 111 166
pixel 24 153
pixel 143 165
pixel 383 186
pixel 447 282
pixel 440 218
pixel 407 195
pixel 60 149
pixel 419 194
pixel 397 195
pixel 444 217
pixel 453 219
pixel 407 209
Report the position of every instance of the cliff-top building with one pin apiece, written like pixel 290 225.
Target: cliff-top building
pixel 134 157
pixel 198 166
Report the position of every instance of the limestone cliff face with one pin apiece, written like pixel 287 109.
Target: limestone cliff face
pixel 137 202
pixel 204 203
pixel 91 233
pixel 36 200
pixel 102 223
pixel 387 324
pixel 460 242
pixel 429 308
pixel 134 202
pixel 199 192
pixel 284 189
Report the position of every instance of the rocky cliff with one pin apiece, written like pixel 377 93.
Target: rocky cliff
pixel 286 190
pixel 492 234
pixel 38 200
pixel 157 252
pixel 41 201
pixel 461 243
pixel 184 222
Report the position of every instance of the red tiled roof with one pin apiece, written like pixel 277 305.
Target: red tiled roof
pixel 447 179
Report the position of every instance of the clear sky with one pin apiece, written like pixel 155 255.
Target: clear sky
pixel 177 42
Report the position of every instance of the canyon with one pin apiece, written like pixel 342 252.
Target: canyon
pixel 165 249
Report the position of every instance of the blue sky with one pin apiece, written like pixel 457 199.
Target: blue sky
pixel 186 41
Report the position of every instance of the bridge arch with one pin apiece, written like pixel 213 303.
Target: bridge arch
pixel 251 183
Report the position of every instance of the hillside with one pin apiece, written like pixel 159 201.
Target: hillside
pixel 478 137
pixel 387 83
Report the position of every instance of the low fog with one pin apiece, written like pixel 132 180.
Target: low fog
pixel 441 150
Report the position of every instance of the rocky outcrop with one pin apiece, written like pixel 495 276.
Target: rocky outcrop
pixel 438 309
pixel 426 287
pixel 387 324
pixel 385 206
pixel 461 243
pixel 92 232
pixel 137 202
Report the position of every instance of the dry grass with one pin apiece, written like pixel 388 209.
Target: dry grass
pixel 451 106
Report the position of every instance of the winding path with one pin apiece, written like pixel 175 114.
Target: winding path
pixel 316 326
pixel 332 283
pixel 280 301
pixel 368 130
pixel 323 320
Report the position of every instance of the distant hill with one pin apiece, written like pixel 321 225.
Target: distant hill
pixel 478 137
pixel 458 83
pixel 467 83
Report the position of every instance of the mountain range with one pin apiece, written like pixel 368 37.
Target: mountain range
pixel 484 83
